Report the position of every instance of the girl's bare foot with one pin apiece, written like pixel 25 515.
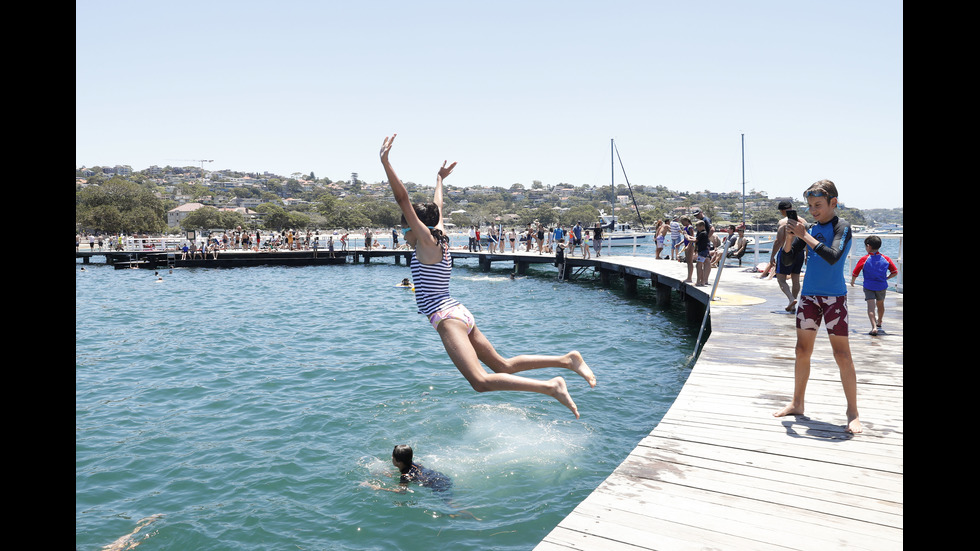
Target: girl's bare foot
pixel 561 394
pixel 854 424
pixel 579 366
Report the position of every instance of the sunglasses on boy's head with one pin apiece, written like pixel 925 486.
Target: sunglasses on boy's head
pixel 817 193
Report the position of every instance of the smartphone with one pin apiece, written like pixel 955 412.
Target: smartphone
pixel 791 214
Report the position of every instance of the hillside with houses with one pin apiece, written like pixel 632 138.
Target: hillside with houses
pixel 196 197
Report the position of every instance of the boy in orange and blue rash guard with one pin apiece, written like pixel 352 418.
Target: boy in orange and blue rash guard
pixel 823 295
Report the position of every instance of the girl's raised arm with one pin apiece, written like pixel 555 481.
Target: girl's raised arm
pixel 443 173
pixel 397 187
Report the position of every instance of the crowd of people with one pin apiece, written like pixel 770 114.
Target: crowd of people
pixel 538 237
pixel 697 244
pixel 239 240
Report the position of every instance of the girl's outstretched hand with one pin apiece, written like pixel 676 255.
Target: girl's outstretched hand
pixel 446 170
pixel 386 147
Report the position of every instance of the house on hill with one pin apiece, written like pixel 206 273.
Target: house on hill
pixel 175 215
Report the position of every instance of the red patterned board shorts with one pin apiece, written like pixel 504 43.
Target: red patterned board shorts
pixel 832 310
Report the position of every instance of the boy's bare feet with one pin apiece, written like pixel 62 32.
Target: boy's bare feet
pixel 854 424
pixel 579 366
pixel 561 394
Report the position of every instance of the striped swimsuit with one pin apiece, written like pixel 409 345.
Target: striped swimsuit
pixel 432 291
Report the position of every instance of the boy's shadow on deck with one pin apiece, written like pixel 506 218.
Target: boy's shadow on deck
pixel 801 426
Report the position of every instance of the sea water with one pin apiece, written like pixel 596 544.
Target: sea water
pixel 245 408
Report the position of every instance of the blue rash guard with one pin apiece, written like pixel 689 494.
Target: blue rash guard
pixel 824 271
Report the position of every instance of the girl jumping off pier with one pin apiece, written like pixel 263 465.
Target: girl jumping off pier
pixel 465 344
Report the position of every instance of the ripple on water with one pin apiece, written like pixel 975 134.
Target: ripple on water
pixel 247 405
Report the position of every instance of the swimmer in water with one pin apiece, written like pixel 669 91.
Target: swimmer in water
pixel 129 541
pixel 431 269
pixel 413 473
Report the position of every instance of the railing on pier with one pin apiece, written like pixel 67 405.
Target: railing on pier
pixel 762 244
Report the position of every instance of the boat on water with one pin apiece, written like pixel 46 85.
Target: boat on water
pixel 888 228
pixel 763 244
pixel 616 234
pixel 622 235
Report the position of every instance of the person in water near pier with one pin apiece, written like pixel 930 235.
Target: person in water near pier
pixel 410 472
pixel 878 269
pixel 823 296
pixel 431 266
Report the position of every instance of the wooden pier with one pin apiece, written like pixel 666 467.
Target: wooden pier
pixel 719 471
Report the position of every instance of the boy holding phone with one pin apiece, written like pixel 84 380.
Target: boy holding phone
pixel 823 296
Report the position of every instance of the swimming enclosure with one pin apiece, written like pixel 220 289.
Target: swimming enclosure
pixel 245 406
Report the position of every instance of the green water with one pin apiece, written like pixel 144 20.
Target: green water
pixel 243 408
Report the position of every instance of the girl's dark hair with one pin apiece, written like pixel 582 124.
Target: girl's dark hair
pixel 403 454
pixel 429 214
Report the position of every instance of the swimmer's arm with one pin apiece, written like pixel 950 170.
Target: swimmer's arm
pixel 399 490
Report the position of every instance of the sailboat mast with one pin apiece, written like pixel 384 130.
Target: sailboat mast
pixel 743 180
pixel 612 178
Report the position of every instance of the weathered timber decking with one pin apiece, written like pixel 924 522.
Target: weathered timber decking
pixel 720 472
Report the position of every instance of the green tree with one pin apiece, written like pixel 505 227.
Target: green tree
pixel 119 206
pixel 202 218
pixel 380 212
pixel 298 220
pixel 588 215
pixel 547 215
pixel 341 213
pixel 274 218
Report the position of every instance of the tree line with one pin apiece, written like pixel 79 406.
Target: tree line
pixel 119 205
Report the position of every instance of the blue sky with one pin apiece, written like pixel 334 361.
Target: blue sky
pixel 514 91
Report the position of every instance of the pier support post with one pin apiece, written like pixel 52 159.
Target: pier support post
pixel 663 293
pixel 521 267
pixel 694 309
pixel 604 277
pixel 629 283
pixel 484 263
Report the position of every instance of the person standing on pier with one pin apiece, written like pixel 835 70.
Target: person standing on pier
pixel 878 269
pixel 791 269
pixel 823 296
pixel 597 238
pixel 431 270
